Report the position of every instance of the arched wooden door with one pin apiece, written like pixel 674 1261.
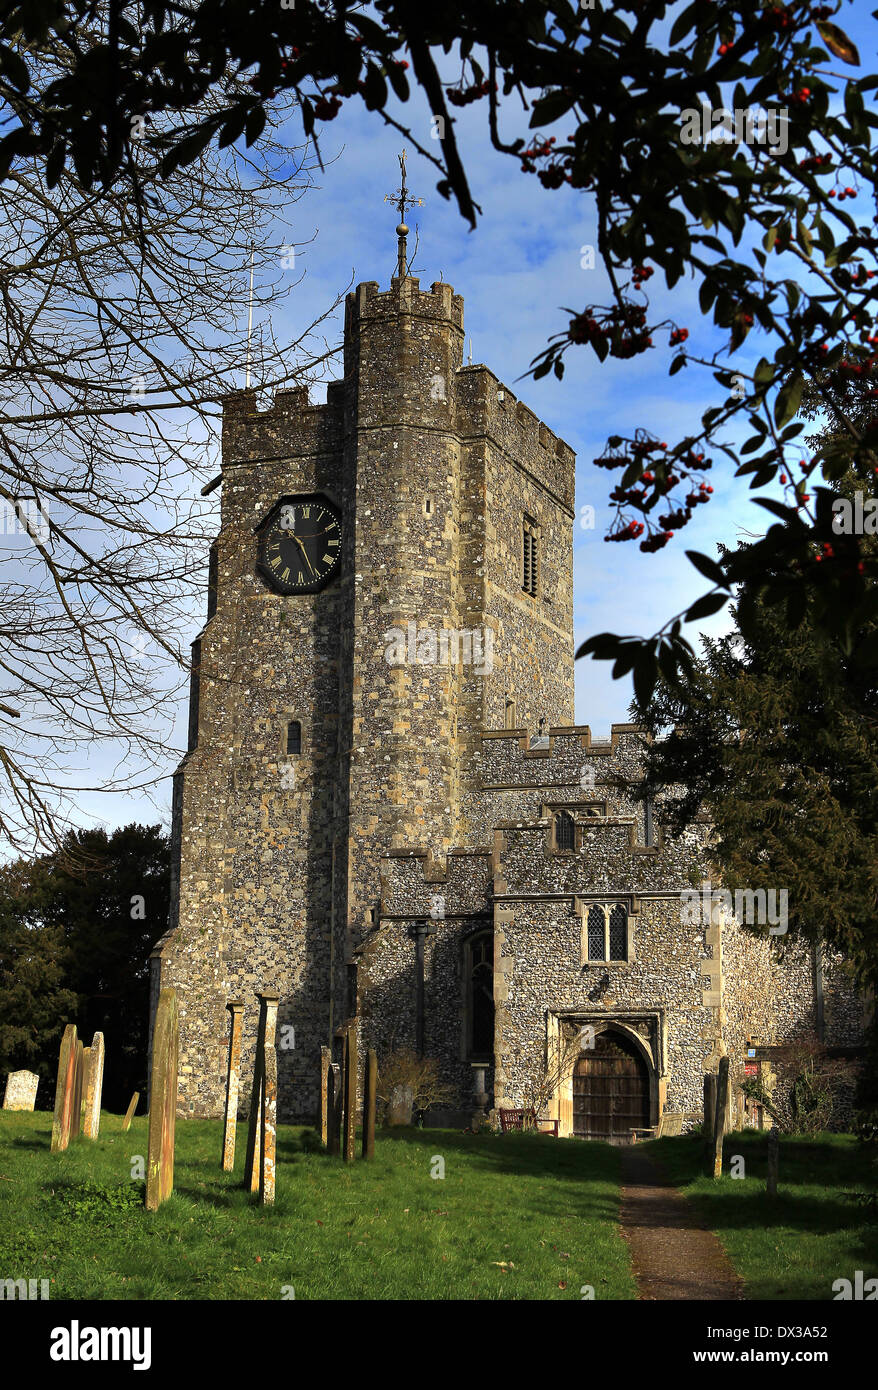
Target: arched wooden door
pixel 610 1090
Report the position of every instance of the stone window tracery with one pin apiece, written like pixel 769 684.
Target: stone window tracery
pixel 607 932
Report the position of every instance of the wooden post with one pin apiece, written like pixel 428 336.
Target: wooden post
pixel 719 1124
pixel 233 1075
pixel 64 1090
pixel 163 1101
pixel 350 1094
pixel 369 1099
pixel 773 1154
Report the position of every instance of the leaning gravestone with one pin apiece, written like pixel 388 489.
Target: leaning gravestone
pixel 265 1034
pixel 21 1090
pixel 129 1113
pixel 64 1088
pixel 233 1075
pixel 94 1084
pixel 163 1101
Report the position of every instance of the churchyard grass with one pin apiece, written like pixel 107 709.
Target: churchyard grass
pixel 515 1217
pixel 814 1232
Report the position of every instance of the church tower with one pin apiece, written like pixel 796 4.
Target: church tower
pixel 392 575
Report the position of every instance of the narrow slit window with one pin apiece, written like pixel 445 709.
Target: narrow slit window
pixel 294 737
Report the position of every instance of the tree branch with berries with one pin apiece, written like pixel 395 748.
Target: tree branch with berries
pixel 763 225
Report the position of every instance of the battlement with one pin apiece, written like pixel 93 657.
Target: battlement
pixel 566 756
pixel 368 302
pixel 412 879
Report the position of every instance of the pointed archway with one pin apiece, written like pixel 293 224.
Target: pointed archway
pixel 611 1089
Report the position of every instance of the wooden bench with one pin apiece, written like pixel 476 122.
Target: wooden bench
pixel 514 1119
pixel 670 1123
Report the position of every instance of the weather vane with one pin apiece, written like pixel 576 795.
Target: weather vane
pixel 402 199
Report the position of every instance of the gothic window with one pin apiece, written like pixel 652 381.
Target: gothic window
pixel 294 736
pixel 479 964
pixel 607 932
pixel 565 831
pixel 531 559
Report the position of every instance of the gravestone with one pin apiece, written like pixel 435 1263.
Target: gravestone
pixel 719 1123
pixel 64 1088
pixel 21 1090
pixel 350 1094
pixel 400 1106
pixel 233 1075
pixel 334 1109
pixel 76 1113
pixel 265 1034
pixel 325 1063
pixel 94 1085
pixel 709 1106
pixel 129 1113
pixel 163 1101
pixel 268 1122
pixel 773 1155
pixel 369 1100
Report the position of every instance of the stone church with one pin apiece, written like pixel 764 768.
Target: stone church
pixel 386 812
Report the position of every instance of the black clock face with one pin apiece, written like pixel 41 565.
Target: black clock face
pixel 300 545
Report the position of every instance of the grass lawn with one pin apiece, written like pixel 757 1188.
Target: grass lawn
pixel 517 1216
pixel 813 1232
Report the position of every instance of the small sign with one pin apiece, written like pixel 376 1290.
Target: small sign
pixel 751 1051
pixel 751 1068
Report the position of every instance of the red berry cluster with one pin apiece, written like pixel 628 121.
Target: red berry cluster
pixel 628 533
pixel 842 193
pixel 816 161
pixel 327 108
pixel 802 96
pixel 641 273
pixel 855 369
pixel 462 96
pixel 725 47
pixel 822 12
pixel 777 18
pixel 679 335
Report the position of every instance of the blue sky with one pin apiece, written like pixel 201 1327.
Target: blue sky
pixel 515 271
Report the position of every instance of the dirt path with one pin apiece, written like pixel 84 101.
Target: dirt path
pixel 672 1254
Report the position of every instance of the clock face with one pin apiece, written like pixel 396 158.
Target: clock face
pixel 300 545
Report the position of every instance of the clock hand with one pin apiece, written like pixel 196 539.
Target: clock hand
pixel 304 552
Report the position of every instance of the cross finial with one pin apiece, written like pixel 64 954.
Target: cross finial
pixel 402 199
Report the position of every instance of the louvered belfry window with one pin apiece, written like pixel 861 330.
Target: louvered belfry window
pixel 531 559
